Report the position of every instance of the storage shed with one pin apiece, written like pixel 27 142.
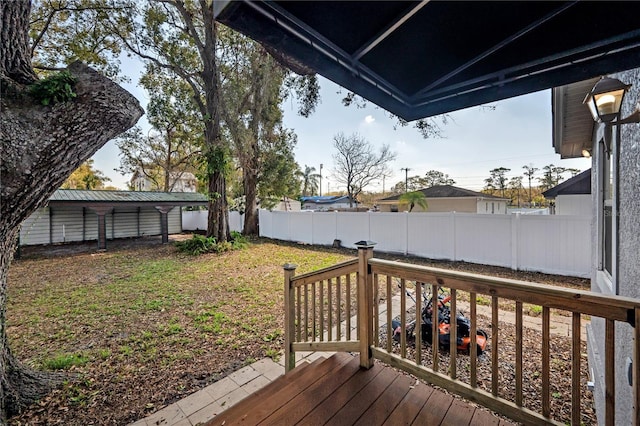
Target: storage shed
pixel 82 215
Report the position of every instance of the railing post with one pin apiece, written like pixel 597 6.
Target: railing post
pixel 365 302
pixel 636 369
pixel 289 316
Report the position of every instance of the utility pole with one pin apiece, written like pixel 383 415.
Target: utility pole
pixel 406 178
pixel 320 186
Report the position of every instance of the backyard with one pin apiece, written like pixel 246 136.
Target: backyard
pixel 140 326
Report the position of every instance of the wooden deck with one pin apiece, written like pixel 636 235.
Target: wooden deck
pixel 336 391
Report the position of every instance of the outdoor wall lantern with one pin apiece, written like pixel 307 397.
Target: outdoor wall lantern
pixel 604 102
pixel 605 99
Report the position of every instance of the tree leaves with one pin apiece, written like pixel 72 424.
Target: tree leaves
pixel 64 31
pixel 86 177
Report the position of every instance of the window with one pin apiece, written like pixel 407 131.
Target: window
pixel 607 210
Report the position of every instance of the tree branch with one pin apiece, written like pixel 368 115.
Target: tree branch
pixel 188 20
pixel 42 145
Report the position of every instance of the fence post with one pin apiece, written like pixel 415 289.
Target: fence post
pixel 515 241
pixel 289 316
pixel 406 233
pixel 365 302
pixel 454 236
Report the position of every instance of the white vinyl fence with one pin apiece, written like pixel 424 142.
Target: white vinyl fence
pixel 549 244
pixel 197 220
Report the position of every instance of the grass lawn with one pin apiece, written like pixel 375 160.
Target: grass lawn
pixel 141 326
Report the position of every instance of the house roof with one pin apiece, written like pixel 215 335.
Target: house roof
pixel 448 191
pixel 572 120
pixel 579 184
pixel 422 58
pixel 130 198
pixel 325 199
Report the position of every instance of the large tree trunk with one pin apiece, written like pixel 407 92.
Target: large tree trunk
pixel 40 146
pixel 215 149
pixel 15 60
pixel 250 180
pixel 218 219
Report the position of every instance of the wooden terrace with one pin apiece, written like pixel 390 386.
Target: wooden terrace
pixel 527 374
pixel 337 391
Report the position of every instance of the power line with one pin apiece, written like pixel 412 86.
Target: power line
pixel 406 178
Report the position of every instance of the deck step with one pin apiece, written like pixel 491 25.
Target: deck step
pixel 257 407
pixel 336 390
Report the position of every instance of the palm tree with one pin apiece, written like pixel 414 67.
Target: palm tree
pixel 310 180
pixel 414 198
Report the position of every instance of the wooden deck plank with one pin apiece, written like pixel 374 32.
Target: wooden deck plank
pixel 386 403
pixel 434 409
pixel 294 410
pixel 269 389
pixel 351 412
pixel 410 406
pixel 253 410
pixel 341 397
pixel 459 413
pixel 338 391
pixel 483 417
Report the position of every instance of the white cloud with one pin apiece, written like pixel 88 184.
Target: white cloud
pixel 369 119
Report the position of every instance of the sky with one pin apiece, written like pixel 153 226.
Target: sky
pixel 474 141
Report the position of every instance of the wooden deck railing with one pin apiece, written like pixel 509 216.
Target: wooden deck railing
pixel 319 310
pixel 323 307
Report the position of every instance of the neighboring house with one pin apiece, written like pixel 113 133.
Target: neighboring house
pixel 180 182
pixel 288 205
pixel 615 209
pixel 448 198
pixel 327 202
pixel 81 215
pixel 573 196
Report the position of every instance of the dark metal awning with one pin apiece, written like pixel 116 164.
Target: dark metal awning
pixel 422 58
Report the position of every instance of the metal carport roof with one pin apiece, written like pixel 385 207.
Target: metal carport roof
pixel 422 58
pixel 126 198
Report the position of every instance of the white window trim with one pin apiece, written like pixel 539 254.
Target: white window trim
pixel 605 281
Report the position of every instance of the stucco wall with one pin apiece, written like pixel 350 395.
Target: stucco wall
pixel 449 205
pixel 459 205
pixel 626 274
pixel 491 207
pixel 628 244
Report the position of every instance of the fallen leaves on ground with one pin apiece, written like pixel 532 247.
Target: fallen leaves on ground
pixel 148 326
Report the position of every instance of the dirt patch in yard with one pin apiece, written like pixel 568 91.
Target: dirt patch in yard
pixel 140 326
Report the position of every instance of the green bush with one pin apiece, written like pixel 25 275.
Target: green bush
pixel 198 244
pixel 223 246
pixel 54 89
pixel 239 241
